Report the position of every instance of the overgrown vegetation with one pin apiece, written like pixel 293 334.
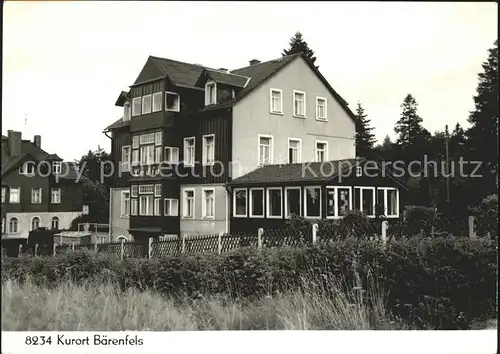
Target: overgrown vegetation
pixel 429 283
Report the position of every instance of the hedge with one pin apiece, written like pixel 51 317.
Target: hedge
pixel 443 283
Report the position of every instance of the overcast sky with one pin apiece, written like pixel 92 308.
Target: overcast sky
pixel 64 63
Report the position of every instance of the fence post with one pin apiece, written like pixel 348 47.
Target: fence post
pixel 385 226
pixel 472 231
pixel 315 233
pixel 36 249
pixel 150 248
pixel 183 243
pixel 60 239
pixel 95 245
pixel 54 246
pixel 20 251
pixel 259 238
pixel 122 248
pixel 219 245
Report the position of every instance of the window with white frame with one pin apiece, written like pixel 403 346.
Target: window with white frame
pixel 134 190
pixel 159 138
pixel 54 224
pixel 136 106
pixel 265 150
pixel 364 200
pixel 359 171
pixel 188 204
pixel 338 201
pixel 157 207
pixel 126 111
pixel 158 154
pixel 146 104
pixel 125 204
pixel 239 202
pixel 133 206
pixel 14 195
pixel 146 188
pixel 171 207
pixel 4 226
pixel 147 154
pixel 157 190
pixel 293 150
pixel 135 157
pixel 208 205
pixel 35 223
pixel 388 201
pixel 189 151
pixel 210 93
pixel 36 195
pixel 4 190
pixel 148 138
pixel 126 158
pixel 276 101
pixel 293 201
pixel 208 149
pixel 56 167
pixel 172 102
pixel 13 226
pixel 257 202
pixel 157 98
pixel 321 108
pixel 135 142
pixel 299 104
pixel 146 205
pixel 274 202
pixel 171 155
pixel 321 151
pixel 312 202
pixel 27 168
pixel 55 195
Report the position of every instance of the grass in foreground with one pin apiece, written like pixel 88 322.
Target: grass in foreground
pixel 97 306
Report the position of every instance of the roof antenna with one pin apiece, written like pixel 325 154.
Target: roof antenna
pixel 25 123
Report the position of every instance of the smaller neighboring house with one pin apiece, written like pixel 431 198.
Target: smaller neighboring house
pixel 38 189
pixel 268 196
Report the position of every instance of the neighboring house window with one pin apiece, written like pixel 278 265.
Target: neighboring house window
pixel 312 202
pixel 27 168
pixel 146 104
pixel 276 101
pixel 133 206
pixel 147 154
pixel 257 202
pixel 125 204
pixel 172 102
pixel 157 207
pixel 35 223
pixel 136 106
pixel 157 101
pixel 208 203
pixel 135 142
pixel 293 150
pixel 265 150
pixel 13 226
pixel 14 194
pixel 321 151
pixel 293 201
pixel 133 190
pixel 55 223
pixel 388 201
pixel 320 108
pixel 157 190
pixel 146 205
pixel 172 155
pixel 171 207
pixel 4 190
pixel 240 202
pixel 364 200
pixel 189 151
pixel 208 149
pixel 210 93
pixel 55 196
pixel 126 158
pixel 274 202
pixel 188 202
pixel 146 188
pixel 56 167
pixel 338 201
pixel 126 111
pixel 36 195
pixel 299 104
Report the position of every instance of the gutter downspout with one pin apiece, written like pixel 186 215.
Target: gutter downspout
pixel 228 212
pixel 110 202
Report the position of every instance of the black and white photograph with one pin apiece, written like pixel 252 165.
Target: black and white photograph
pixel 175 166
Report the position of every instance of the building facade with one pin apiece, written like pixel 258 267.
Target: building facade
pixel 188 131
pixel 39 190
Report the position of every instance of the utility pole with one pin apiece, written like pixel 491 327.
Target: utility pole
pixel 447 167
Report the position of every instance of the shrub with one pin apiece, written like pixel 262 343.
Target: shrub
pixel 418 220
pixel 486 214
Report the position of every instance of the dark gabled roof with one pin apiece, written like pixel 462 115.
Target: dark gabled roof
pixel 296 172
pixel 227 78
pixel 12 162
pixel 122 98
pixel 117 124
pixel 178 72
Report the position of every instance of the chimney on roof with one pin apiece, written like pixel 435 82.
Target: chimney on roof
pixel 15 142
pixel 254 61
pixel 37 140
